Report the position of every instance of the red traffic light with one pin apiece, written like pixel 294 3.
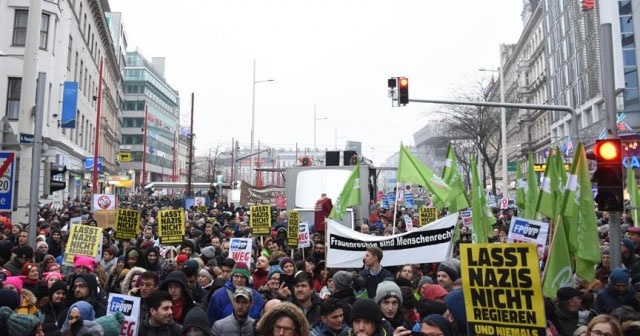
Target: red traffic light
pixel 404 82
pixel 609 150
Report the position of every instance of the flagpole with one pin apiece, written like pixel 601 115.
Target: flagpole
pixel 395 208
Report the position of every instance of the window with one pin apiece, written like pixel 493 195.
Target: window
pixel 44 31
pixel 20 29
pixel 13 98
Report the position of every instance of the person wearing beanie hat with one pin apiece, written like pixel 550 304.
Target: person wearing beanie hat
pixel 275 269
pixel 181 259
pixel 19 324
pixel 205 279
pixel 220 305
pixel 366 318
pixel 433 292
pixel 196 323
pixel 389 298
pixel 342 280
pixel 435 324
pixel 455 304
pixel 9 298
pixel 447 274
pixel 53 307
pixel 288 266
pixel 618 292
pixel 85 288
pixel 275 288
pixel 14 283
pixel 23 254
pixel 83 264
pixel 111 323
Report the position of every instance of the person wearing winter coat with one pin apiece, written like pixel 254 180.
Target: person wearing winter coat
pixel 176 285
pixel 239 322
pixel 52 307
pixel 159 321
pixel 283 316
pixel 618 292
pixel 220 305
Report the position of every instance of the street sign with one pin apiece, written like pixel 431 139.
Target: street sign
pixel 26 138
pixel 512 166
pixel 7 165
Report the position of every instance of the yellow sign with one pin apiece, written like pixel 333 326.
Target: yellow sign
pixel 428 215
pixel 292 228
pixel 84 240
pixel 541 167
pixel 260 220
pixel 127 224
pixel 171 227
pixel 125 157
pixel 502 290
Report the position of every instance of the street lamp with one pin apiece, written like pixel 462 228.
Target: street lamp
pixel 503 130
pixel 315 120
pixel 253 118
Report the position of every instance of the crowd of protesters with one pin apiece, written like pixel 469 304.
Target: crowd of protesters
pixel 196 289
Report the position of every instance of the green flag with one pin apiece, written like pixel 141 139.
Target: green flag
pixel 578 212
pixel 451 176
pixel 410 169
pixel 532 190
pixel 478 205
pixel 521 190
pixel 349 196
pixel 549 197
pixel 634 195
pixel 558 271
pixel 562 174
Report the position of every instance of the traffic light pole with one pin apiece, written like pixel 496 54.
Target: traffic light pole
pixel 567 109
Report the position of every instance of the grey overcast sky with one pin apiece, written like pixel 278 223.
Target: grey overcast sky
pixel 336 54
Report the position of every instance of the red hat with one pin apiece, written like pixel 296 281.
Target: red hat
pixel 181 258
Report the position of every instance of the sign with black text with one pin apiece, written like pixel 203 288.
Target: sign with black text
pixel 502 289
pixel 127 224
pixel 171 227
pixel 240 250
pixel 260 220
pixel 129 306
pixel 84 240
pixel 428 215
pixel 292 228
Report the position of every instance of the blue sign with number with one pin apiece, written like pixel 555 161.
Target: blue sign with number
pixel 7 175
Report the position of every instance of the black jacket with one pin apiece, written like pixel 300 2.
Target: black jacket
pixel 146 329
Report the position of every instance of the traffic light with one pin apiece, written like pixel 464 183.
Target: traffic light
pixel 403 90
pixel 608 174
pixel 305 161
pixel 50 183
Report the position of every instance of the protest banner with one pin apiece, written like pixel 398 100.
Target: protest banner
pixel 171 227
pixel 524 230
pixel 127 224
pixel 292 228
pixel 84 240
pixel 129 306
pixel 240 250
pixel 502 290
pixel 428 215
pixel 304 240
pixel 105 218
pixel 430 243
pixel 260 220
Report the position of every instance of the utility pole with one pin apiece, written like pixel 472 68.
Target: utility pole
pixel 191 136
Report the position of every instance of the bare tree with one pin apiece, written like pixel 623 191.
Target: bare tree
pixel 478 126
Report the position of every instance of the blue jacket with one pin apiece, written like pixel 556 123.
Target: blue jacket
pixel 220 305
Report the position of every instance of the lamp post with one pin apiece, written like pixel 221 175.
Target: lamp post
pixel 315 121
pixel 253 118
pixel 503 130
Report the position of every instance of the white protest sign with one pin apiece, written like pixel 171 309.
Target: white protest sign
pixel 240 250
pixel 129 306
pixel 303 235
